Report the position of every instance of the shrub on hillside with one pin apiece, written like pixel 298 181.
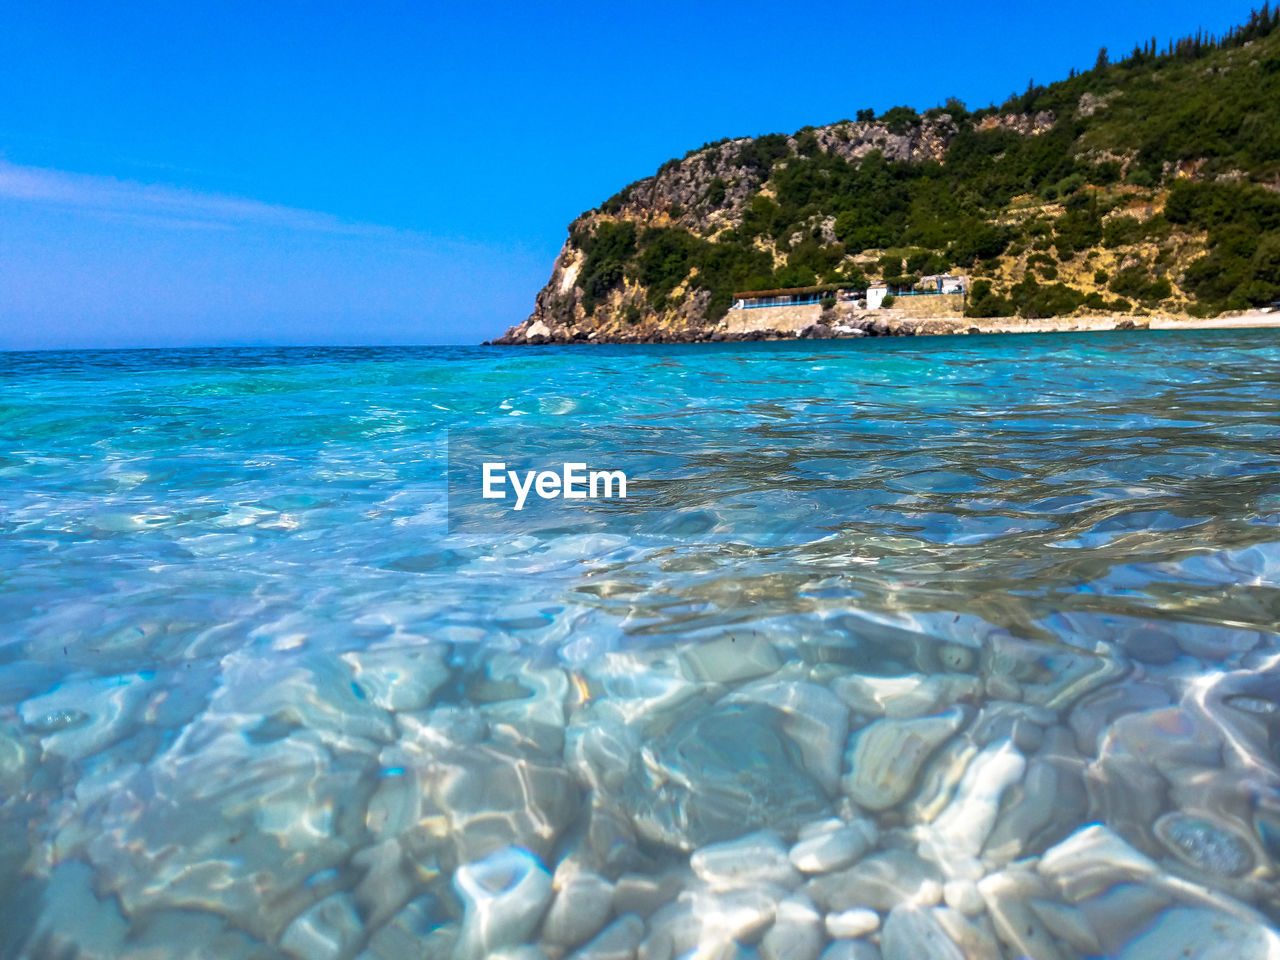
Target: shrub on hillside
pixel 1135 282
pixel 983 301
pixel 608 249
pixel 981 243
pixel 1036 301
pixel 890 266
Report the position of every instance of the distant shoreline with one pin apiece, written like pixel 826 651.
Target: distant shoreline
pixel 800 326
pixel 1249 320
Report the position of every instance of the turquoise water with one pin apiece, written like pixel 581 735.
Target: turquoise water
pixel 929 647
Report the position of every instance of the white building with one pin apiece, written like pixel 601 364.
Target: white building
pixel 875 295
pixel 944 282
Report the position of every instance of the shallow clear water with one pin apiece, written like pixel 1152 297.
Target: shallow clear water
pixel 941 647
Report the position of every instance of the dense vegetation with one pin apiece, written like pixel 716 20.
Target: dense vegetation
pixel 1153 187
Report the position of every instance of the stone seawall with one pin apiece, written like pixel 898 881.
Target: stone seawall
pixel 782 319
pixel 796 318
pixel 931 307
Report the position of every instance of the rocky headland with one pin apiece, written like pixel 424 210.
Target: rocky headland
pixel 1125 193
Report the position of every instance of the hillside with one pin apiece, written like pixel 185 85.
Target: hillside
pixel 1147 184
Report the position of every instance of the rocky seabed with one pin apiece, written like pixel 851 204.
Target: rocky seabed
pixel 987 797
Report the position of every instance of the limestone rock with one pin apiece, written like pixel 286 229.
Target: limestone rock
pixel 880 882
pixel 912 932
pixel 399 678
pixel 797 932
pixel 815 720
pixel 858 922
pixel 618 941
pixel 327 931
pixel 851 950
pixel 886 757
pixel 504 896
pixel 1200 934
pixel 719 773
pixel 729 659
pixel 748 861
pixel 832 850
pixel 581 907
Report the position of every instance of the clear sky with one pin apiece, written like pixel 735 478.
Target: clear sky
pixel 346 173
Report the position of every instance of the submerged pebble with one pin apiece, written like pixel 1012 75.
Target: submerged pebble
pixel 82 718
pixel 1196 933
pixel 730 659
pixel 880 882
pixel 832 850
pixel 813 718
pixel 852 923
pixel 851 950
pixel 1255 705
pixel 719 774
pixel 1205 844
pixel 327 931
pixel 503 898
pixel 618 941
pixel 903 697
pixel 56 720
pixel 797 932
pixel 912 932
pixel 956 658
pixel 581 906
pixel 399 678
pixel 886 757
pixel 747 861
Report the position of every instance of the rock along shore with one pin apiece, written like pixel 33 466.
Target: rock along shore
pixel 883 323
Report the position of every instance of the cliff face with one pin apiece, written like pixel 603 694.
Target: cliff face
pixel 704 194
pixel 1148 185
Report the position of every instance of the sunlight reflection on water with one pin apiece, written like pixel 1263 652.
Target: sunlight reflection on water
pixel 967 644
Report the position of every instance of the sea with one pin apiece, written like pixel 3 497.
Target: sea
pixel 900 648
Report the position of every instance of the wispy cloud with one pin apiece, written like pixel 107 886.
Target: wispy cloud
pixel 162 204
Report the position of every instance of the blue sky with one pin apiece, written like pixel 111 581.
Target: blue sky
pixel 299 173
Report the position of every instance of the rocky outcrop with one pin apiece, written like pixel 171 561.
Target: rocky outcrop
pixel 810 322
pixel 705 194
pixel 686 192
pixel 1089 104
pixel 927 140
pixel 1027 124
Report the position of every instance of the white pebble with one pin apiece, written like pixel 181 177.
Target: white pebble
pixel 754 859
pixel 852 923
pixel 504 896
pixel 963 895
pixel 796 933
pixel 829 851
pixel 581 907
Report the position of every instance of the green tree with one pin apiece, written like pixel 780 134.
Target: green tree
pixel 955 106
pixel 983 301
pixel 899 119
